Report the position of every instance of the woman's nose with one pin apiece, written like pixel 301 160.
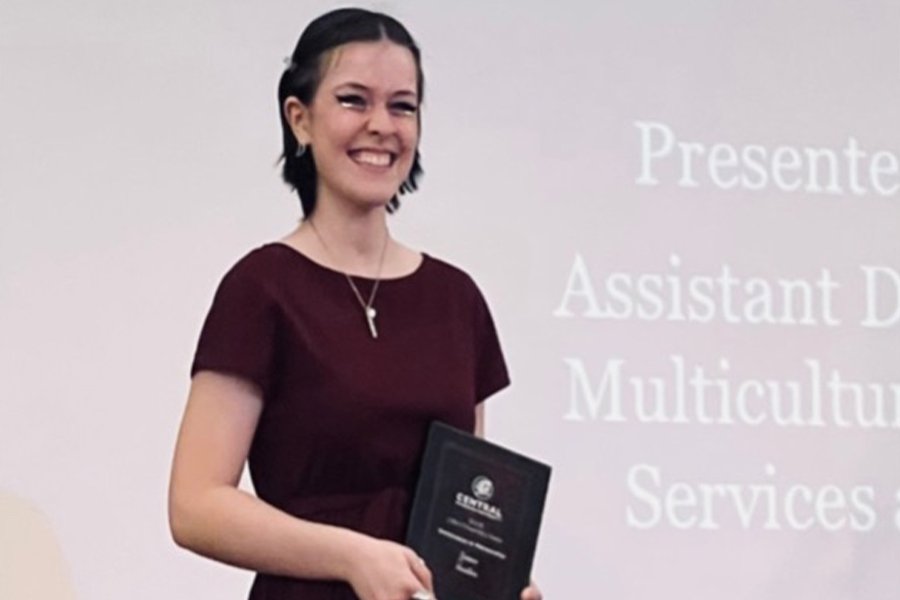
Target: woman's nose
pixel 381 121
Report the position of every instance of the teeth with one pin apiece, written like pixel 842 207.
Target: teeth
pixel 378 159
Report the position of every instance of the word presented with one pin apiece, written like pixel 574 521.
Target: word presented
pixel 755 167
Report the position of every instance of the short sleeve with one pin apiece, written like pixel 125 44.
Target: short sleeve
pixel 238 335
pixel 491 374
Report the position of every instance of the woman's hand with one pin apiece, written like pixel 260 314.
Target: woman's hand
pixel 383 570
pixel 532 592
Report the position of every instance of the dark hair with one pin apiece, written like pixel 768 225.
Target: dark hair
pixel 304 72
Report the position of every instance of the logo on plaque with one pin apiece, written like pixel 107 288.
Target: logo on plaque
pixel 483 488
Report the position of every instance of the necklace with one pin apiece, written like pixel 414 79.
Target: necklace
pixel 366 305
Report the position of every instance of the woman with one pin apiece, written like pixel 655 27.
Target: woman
pixel 326 354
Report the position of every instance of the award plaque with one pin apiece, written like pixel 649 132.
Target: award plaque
pixel 476 515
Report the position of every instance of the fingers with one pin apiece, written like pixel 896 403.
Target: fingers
pixel 385 570
pixel 421 571
pixel 532 592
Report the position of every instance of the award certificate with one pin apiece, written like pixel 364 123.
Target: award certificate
pixel 476 515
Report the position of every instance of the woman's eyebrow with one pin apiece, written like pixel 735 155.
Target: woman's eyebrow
pixel 354 85
pixel 363 88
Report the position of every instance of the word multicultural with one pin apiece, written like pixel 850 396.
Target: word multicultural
pixel 686 393
pixel 814 170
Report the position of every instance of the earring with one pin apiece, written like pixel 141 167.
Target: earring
pixel 300 151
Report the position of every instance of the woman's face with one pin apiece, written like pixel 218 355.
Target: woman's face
pixel 363 123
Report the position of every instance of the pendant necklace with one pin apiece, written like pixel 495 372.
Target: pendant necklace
pixel 367 305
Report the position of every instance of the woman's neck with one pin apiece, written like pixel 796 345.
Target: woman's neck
pixel 354 242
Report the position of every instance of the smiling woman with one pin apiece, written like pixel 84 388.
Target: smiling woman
pixel 326 354
pixel 361 127
pixel 313 59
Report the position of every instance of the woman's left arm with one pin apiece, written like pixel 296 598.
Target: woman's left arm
pixel 532 592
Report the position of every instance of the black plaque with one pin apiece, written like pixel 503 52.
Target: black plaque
pixel 476 516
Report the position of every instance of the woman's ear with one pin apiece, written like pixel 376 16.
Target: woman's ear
pixel 297 116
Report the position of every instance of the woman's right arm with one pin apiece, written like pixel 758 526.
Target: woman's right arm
pixel 211 516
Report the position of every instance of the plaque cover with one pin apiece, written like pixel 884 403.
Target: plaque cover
pixel 476 515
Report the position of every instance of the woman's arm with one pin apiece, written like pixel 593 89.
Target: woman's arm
pixel 479 420
pixel 211 516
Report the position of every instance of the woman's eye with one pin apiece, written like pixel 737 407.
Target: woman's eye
pixel 405 108
pixel 352 101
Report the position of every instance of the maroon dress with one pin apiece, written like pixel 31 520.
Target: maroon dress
pixel 345 415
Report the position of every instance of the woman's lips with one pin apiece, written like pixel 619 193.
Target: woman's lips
pixel 373 158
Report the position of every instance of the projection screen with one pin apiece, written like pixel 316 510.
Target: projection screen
pixel 685 217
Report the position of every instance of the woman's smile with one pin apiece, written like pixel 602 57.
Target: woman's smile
pixel 372 158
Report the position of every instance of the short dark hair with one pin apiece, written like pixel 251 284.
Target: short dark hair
pixel 304 73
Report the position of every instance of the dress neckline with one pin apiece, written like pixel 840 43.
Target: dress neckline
pixel 306 259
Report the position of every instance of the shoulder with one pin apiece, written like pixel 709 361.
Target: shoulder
pixel 452 282
pixel 447 272
pixel 265 259
pixel 258 277
pixel 263 267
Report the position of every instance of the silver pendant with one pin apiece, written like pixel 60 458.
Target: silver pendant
pixel 370 317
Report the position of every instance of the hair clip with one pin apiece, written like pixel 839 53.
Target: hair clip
pixel 289 63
